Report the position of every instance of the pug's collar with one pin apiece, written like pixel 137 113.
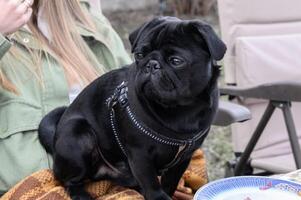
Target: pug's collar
pixel 120 98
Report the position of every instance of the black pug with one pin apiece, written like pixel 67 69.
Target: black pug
pixel 144 120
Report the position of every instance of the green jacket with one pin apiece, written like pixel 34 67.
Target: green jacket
pixel 20 151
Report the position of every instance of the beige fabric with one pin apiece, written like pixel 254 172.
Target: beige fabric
pixel 263 40
pixel 278 164
pixel 243 30
pixel 234 14
pixel 267 59
pixel 258 11
pixel 248 30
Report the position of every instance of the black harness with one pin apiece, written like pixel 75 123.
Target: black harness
pixel 120 99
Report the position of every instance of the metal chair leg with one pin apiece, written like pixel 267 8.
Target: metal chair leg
pixel 240 167
pixel 289 122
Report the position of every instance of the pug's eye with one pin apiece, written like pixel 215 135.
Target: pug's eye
pixel 139 56
pixel 176 61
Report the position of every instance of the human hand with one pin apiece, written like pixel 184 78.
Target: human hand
pixel 14 14
pixel 178 195
pixel 183 192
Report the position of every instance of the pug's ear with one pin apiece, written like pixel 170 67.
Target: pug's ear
pixel 133 38
pixel 147 28
pixel 216 46
pixel 136 34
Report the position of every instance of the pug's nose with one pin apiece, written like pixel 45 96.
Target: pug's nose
pixel 152 66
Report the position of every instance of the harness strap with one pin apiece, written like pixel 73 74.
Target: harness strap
pixel 120 98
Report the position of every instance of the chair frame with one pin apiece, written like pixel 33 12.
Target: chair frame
pixel 280 95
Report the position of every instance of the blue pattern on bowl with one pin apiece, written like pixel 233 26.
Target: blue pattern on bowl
pixel 211 190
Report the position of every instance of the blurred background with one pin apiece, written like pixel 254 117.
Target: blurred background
pixel 127 15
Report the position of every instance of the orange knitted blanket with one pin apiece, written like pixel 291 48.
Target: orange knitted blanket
pixel 42 185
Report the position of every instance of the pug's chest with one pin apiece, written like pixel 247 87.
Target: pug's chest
pixel 145 138
pixel 161 152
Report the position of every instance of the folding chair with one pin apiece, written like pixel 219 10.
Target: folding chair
pixel 263 67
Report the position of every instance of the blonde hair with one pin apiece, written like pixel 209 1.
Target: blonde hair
pixel 66 44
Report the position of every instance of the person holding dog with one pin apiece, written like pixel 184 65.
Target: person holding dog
pixel 61 49
pixel 49 51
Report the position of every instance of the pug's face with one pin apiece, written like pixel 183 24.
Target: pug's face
pixel 174 59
